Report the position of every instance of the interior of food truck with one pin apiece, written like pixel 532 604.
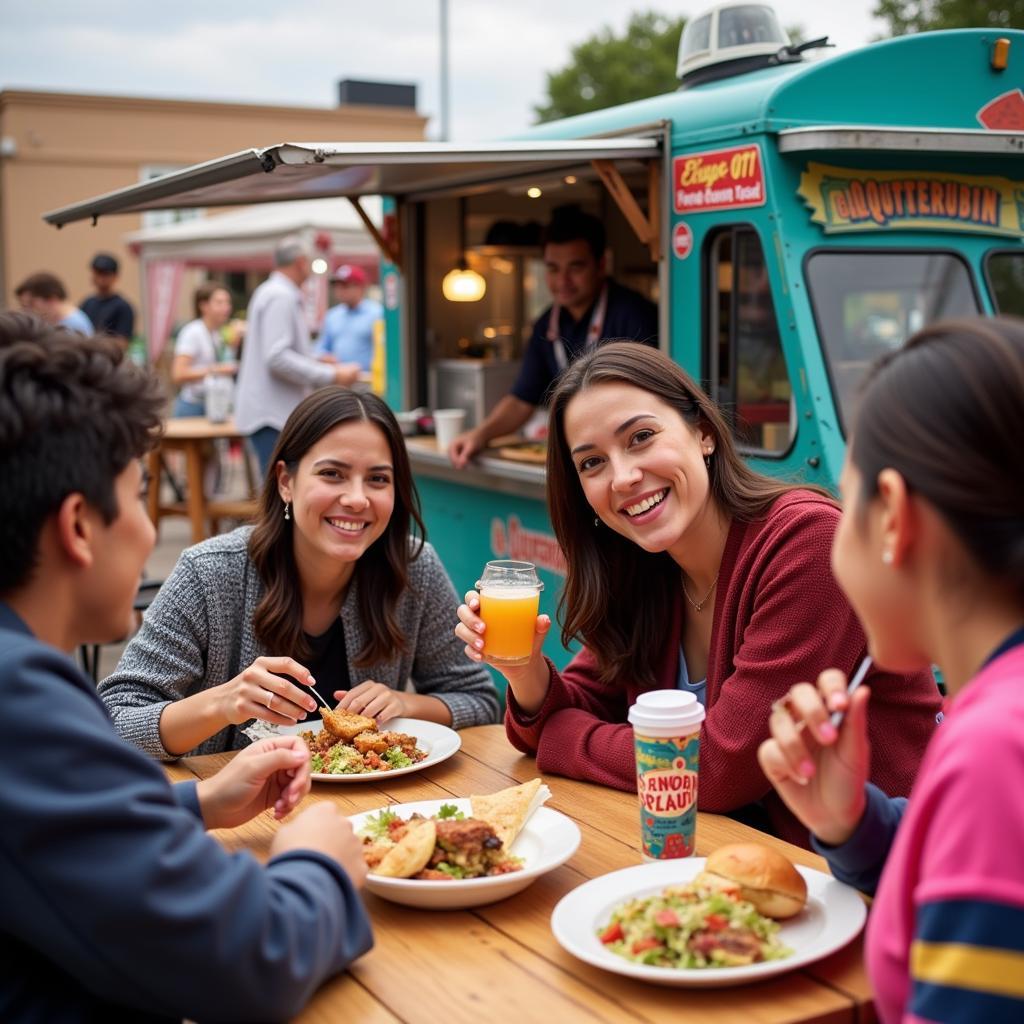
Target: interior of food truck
pixel 467 352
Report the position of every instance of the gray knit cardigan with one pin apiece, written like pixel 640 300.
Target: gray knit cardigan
pixel 198 633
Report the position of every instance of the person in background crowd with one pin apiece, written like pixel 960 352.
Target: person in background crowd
pixel 197 349
pixel 588 308
pixel 44 295
pixel 278 368
pixel 116 904
pixel 331 588
pixel 686 569
pixel 347 331
pixel 109 312
pixel 930 552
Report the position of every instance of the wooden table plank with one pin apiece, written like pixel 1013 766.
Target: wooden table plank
pixel 843 971
pixel 501 962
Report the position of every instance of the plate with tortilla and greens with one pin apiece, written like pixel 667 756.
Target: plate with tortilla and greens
pixel 464 852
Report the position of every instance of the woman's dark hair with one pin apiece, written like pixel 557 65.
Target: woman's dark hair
pixel 74 412
pixel 616 594
pixel 947 412
pixel 382 572
pixel 205 292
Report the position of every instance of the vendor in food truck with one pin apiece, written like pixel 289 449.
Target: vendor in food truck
pixel 588 308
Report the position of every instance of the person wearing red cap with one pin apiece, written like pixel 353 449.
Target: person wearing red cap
pixel 347 331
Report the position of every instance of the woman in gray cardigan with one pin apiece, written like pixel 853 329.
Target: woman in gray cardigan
pixel 328 590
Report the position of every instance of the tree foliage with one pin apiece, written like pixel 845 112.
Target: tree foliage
pixel 606 70
pixel 906 16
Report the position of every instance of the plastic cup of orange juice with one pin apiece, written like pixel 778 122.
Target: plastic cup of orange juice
pixel 509 601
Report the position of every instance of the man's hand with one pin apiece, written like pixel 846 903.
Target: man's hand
pixel 464 447
pixel 274 772
pixel 325 829
pixel 347 374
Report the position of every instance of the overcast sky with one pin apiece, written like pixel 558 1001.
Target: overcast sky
pixel 294 52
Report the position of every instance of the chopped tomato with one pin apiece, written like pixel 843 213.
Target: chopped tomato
pixel 642 945
pixel 667 919
pixel 716 922
pixel 612 933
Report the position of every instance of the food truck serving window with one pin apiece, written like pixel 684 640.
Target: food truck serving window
pixel 1006 281
pixel 867 302
pixel 747 367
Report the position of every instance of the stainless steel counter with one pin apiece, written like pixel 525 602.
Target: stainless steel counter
pixel 487 472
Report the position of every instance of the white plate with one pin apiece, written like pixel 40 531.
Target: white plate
pixel 834 915
pixel 547 840
pixel 437 741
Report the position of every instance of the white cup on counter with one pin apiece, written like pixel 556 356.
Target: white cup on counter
pixel 448 424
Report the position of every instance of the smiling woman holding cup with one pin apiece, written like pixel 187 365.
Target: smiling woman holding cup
pixel 334 588
pixel 686 571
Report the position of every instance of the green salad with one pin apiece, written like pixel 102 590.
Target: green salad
pixel 692 927
pixel 342 759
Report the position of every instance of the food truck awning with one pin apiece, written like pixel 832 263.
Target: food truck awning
pixel 313 170
pixel 898 139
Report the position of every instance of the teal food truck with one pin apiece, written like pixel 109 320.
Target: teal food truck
pixel 792 218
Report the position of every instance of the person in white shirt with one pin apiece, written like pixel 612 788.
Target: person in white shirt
pixel 278 368
pixel 347 331
pixel 197 350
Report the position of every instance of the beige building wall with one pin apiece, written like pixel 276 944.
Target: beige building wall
pixel 57 148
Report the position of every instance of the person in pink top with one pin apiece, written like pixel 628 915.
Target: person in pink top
pixel 685 568
pixel 930 552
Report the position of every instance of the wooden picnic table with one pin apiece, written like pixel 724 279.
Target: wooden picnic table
pixel 192 435
pixel 501 962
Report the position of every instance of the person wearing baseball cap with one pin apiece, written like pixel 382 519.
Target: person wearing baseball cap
pixel 109 312
pixel 347 330
pixel 278 368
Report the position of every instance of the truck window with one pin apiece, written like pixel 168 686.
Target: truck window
pixel 747 369
pixel 1006 282
pixel 870 301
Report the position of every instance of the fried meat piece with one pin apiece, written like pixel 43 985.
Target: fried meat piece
pixel 403 740
pixel 376 742
pixel 346 725
pixel 319 742
pixel 736 947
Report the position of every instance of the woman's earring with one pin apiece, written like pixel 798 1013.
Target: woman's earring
pixel 287 510
pixel 707 460
pixel 597 521
pixel 887 557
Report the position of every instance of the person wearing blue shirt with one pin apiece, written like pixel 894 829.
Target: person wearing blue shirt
pixel 347 331
pixel 588 308
pixel 116 904
pixel 44 295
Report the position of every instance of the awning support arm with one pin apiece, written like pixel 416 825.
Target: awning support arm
pixel 389 251
pixel 646 227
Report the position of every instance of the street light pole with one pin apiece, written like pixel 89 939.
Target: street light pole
pixel 445 126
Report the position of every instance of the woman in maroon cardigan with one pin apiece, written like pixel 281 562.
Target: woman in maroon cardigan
pixel 686 569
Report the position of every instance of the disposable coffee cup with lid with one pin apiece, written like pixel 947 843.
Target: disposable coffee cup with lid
pixel 666 734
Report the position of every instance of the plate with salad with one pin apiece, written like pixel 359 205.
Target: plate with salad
pixel 675 923
pixel 464 851
pixel 352 748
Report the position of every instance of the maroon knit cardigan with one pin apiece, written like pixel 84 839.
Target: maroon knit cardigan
pixel 780 618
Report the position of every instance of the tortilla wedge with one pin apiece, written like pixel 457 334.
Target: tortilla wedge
pixel 507 810
pixel 410 855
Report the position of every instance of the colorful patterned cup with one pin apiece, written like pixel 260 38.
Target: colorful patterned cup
pixel 666 733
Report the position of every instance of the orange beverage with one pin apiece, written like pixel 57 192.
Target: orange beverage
pixel 510 614
pixel 509 599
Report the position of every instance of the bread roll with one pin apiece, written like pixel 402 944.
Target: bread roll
pixel 762 875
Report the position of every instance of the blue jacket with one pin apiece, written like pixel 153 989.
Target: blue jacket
pixel 116 904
